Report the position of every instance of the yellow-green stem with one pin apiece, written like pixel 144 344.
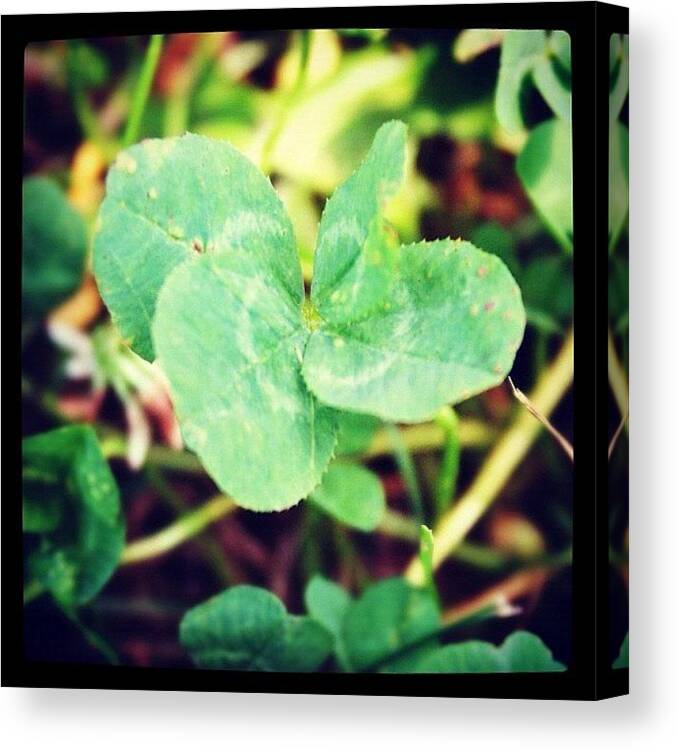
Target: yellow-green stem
pixel 617 377
pixel 446 485
pixel 142 90
pixel 418 438
pixel 178 532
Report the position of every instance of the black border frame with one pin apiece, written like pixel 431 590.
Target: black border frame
pixel 589 24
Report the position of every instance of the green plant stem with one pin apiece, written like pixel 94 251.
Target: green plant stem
pixel 418 438
pixel 501 462
pixel 346 551
pixel 277 127
pixel 402 527
pixel 178 105
pixel 211 550
pixel 446 485
pixel 429 436
pixel 399 526
pixel 617 377
pixel 482 557
pixel 178 532
pixel 142 90
pixel 87 120
pixel 407 470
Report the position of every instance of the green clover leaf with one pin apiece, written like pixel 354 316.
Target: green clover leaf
pixel 248 628
pixel 54 247
pixel 196 260
pixel 72 515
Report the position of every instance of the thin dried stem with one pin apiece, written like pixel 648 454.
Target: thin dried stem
pixel 617 433
pixel 562 441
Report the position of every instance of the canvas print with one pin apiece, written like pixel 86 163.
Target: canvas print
pixel 297 350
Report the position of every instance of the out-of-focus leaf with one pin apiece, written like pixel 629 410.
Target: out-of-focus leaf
pixel 324 57
pixel 86 65
pixel 520 652
pixel 304 213
pixel 335 121
pixel 622 661
pixel 545 170
pixel 473 42
pixel 619 74
pixel 559 43
pixel 547 59
pixel 468 657
pixel 618 292
pixel 519 52
pixel 227 110
pixel 374 35
pixel 526 652
pixel 71 502
pixel 389 616
pixel 327 603
pixel 248 628
pixel 352 495
pixel 547 287
pixel 355 432
pixel 453 98
pixel 494 238
pixel 555 91
pixel 54 247
pixel 618 207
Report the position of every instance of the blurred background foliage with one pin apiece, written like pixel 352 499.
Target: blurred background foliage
pixel 304 106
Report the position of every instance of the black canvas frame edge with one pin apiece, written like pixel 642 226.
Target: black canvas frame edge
pixel 588 677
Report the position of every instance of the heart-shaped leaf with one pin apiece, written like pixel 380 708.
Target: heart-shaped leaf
pixel 170 200
pixel 520 652
pixel 247 628
pixel 355 432
pixel 231 345
pixel 351 494
pixel 355 255
pixel 327 603
pixel 449 328
pixel 389 616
